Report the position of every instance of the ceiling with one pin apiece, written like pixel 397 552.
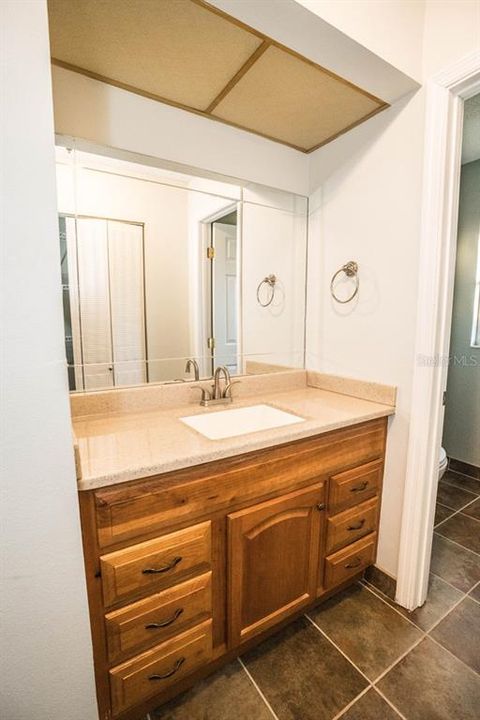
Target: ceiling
pixel 189 54
pixel 471 130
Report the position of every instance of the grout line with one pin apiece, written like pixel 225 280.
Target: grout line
pixel 389 702
pixel 453 655
pixel 257 688
pixel 338 648
pixel 457 472
pixel 449 583
pixel 399 659
pixel 456 512
pixel 471 596
pixel 437 622
pixel 382 597
pixel 458 544
pixel 352 702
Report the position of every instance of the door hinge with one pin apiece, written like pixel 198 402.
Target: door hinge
pixel 444 397
pixel 211 343
pixel 210 252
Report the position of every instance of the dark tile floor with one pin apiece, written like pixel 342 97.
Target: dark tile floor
pixel 359 656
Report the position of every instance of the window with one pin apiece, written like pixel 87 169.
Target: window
pixel 475 340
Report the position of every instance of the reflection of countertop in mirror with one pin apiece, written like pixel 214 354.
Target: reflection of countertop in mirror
pixel 114 447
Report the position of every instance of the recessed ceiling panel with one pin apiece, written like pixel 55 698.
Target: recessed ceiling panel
pixel 285 97
pixel 174 49
pixel 191 55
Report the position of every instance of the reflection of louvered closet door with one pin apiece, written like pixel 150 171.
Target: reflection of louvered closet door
pixel 110 279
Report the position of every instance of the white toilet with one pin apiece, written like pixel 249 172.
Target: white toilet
pixel 443 463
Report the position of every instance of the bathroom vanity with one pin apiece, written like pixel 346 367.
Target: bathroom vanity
pixel 188 568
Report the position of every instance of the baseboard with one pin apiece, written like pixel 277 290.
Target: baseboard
pixel 382 581
pixel 464 468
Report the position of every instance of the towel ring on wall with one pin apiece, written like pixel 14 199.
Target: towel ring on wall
pixel 270 281
pixel 351 270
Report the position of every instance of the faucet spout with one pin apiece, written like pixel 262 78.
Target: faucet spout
pixel 192 363
pixel 217 390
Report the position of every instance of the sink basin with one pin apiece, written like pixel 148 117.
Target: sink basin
pixel 241 421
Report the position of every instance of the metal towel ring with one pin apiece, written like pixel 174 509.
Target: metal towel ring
pixel 351 270
pixel 270 280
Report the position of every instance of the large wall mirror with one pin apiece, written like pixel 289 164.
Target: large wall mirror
pixel 167 275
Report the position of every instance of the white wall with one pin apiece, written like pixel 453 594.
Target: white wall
pixel 109 116
pixel 46 651
pixel 461 432
pixel 372 24
pixel 366 206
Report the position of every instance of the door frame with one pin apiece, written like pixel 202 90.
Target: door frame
pixel 206 281
pixel 446 93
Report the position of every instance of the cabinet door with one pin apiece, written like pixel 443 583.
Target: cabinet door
pixel 273 560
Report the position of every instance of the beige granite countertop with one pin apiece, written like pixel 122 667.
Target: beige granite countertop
pixel 116 447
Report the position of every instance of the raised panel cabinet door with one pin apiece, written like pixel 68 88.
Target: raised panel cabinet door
pixel 273 552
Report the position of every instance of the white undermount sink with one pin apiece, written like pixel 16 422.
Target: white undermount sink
pixel 240 421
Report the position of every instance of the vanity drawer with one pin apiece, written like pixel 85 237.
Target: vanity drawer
pixel 353 486
pixel 155 670
pixel 349 561
pixel 156 563
pixel 150 621
pixel 351 525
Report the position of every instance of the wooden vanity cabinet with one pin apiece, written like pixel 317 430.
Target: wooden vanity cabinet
pixel 188 569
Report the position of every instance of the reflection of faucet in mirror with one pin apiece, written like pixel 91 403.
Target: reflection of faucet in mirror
pixel 191 363
pixel 217 396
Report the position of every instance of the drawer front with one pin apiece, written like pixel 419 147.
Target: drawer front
pixel 354 486
pixel 127 512
pixel 150 621
pixel 157 563
pixel 349 561
pixel 148 674
pixel 351 525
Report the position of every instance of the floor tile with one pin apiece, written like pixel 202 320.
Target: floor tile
pixel 383 582
pixel 464 468
pixel 459 632
pixel 431 684
pixel 452 496
pixel 475 593
pixel 229 694
pixel 473 510
pixel 370 632
pixel 463 530
pixel 442 512
pixel 302 675
pixel 440 599
pixel 462 481
pixel 371 706
pixel 453 564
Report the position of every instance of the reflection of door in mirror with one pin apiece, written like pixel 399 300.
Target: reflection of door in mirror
pixel 224 278
pixel 104 300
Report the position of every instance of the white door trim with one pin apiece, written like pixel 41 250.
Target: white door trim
pixel 443 137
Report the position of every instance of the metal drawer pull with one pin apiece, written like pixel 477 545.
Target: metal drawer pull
pixel 165 568
pixel 353 564
pixel 165 623
pixel 176 667
pixel 359 488
pixel 358 525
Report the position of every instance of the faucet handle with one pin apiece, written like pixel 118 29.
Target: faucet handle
pixel 206 394
pixel 227 393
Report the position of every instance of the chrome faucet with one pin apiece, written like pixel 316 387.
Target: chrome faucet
pixel 191 363
pixel 217 396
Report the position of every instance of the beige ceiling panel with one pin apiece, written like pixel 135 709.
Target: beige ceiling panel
pixel 174 49
pixel 291 100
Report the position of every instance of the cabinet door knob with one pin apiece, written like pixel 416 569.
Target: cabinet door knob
pixel 165 568
pixel 321 506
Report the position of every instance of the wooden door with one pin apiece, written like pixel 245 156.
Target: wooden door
pixel 273 560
